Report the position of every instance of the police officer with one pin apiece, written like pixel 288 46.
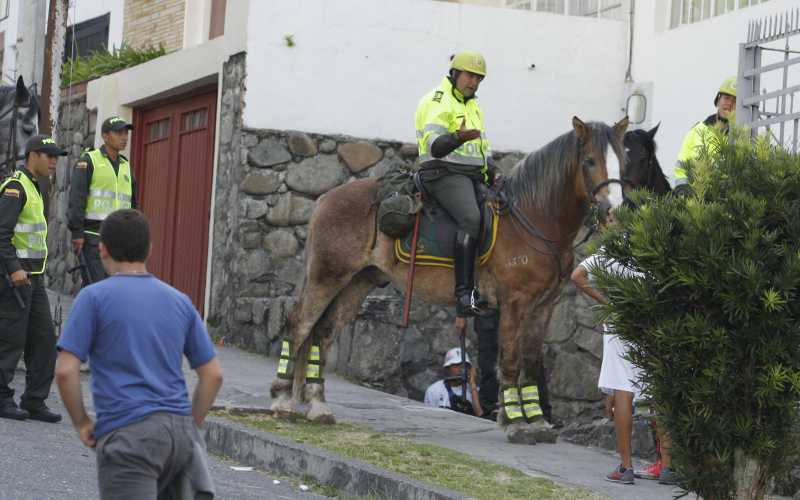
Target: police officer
pixel 25 321
pixel 701 134
pixel 454 155
pixel 102 181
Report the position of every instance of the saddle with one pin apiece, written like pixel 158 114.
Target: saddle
pixel 437 234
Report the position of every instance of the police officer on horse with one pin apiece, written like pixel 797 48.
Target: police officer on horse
pixel 455 156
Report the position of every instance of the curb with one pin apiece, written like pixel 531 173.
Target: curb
pixel 267 451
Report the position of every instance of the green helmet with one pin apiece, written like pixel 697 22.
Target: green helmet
pixel 469 61
pixel 727 87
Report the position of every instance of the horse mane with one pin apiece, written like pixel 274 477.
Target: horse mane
pixel 540 179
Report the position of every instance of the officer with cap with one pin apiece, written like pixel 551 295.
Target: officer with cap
pixel 102 181
pixel 25 321
pixel 701 134
pixel 445 393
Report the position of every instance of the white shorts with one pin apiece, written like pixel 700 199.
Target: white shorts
pixel 616 372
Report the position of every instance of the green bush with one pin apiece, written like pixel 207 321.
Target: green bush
pixel 102 63
pixel 715 319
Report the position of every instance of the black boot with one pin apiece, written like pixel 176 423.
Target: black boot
pixel 468 300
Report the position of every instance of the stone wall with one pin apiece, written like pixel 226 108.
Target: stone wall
pixel 150 23
pixel 75 133
pixel 266 185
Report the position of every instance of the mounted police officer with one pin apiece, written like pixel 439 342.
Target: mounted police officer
pixel 25 321
pixel 455 155
pixel 701 134
pixel 102 181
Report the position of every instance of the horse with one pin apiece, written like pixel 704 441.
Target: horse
pixel 19 120
pixel 642 169
pixel 549 193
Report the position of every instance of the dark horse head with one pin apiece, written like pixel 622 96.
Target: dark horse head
pixel 19 120
pixel 642 169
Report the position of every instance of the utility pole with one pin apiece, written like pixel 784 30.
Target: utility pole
pixel 53 55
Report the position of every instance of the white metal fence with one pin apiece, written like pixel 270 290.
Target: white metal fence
pixel 768 90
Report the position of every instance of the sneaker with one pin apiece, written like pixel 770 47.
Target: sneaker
pixel 620 475
pixel 652 471
pixel 667 476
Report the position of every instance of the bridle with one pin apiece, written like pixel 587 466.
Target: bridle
pixel 592 221
pixel 12 153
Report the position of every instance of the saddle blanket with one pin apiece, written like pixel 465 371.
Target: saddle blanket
pixel 437 236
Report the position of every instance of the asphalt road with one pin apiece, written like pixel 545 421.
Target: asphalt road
pixel 40 461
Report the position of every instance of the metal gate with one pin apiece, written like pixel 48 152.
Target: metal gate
pixel 173 160
pixel 769 79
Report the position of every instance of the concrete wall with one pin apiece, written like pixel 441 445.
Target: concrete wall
pixel 153 23
pixel 686 65
pixel 359 67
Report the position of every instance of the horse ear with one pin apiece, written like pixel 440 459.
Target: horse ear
pixel 581 130
pixel 22 91
pixel 652 132
pixel 621 126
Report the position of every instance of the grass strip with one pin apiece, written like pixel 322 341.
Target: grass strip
pixel 423 462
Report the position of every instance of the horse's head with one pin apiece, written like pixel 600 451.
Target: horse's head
pixel 642 169
pixel 19 120
pixel 600 157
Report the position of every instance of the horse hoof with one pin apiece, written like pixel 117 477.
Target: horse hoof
pixel 320 413
pixel 544 433
pixel 520 434
pixel 325 418
pixel 285 409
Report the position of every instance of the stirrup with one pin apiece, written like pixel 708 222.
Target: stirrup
pixel 478 306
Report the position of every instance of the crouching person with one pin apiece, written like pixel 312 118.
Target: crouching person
pixel 136 329
pixel 449 391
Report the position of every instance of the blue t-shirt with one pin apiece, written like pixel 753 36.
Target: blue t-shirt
pixel 135 330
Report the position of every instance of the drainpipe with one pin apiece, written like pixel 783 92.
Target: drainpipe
pixel 628 75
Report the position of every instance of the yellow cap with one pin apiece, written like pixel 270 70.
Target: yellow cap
pixel 727 87
pixel 469 61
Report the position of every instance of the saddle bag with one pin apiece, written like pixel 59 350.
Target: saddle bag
pixel 397 203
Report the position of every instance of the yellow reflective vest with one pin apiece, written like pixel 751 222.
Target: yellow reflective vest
pixel 108 191
pixel 30 232
pixel 699 135
pixel 441 112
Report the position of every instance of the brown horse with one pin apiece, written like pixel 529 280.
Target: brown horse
pixel 550 193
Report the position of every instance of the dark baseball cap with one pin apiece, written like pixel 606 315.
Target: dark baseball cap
pixel 116 124
pixel 43 144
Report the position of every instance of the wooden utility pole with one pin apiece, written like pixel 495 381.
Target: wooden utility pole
pixel 53 55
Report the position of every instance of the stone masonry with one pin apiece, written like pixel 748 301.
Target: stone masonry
pixel 75 133
pixel 266 186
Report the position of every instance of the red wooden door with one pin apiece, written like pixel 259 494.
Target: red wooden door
pixel 173 162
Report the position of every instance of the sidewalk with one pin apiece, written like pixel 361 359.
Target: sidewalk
pixel 247 379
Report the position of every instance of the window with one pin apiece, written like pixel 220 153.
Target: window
pixel 692 11
pixel 3 9
pixel 609 9
pixel 158 130
pixel 90 36
pixel 217 27
pixel 555 6
pixel 195 119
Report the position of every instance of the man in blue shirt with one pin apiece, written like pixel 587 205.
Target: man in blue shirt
pixel 135 330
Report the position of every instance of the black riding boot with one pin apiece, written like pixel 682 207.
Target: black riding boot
pixel 468 300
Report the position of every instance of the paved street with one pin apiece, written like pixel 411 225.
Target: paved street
pixel 47 462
